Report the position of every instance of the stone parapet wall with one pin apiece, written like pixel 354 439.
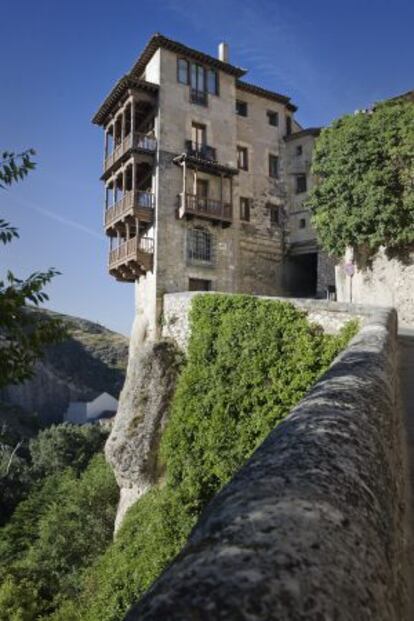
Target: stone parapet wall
pixel 332 316
pixel 313 526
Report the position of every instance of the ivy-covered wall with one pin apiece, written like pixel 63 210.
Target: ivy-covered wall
pixel 249 361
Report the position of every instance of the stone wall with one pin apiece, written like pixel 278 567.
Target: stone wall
pixel 330 315
pixel 312 527
pixel 386 282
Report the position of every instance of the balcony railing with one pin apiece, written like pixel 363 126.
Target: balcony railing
pixel 202 151
pixel 138 250
pixel 204 207
pixel 198 97
pixel 144 142
pixel 140 204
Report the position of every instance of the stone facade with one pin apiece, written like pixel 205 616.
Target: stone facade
pixel 176 185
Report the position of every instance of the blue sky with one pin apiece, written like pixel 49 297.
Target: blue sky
pixel 61 58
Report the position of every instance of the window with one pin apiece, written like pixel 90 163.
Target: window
pixel 301 185
pixel 244 209
pixel 198 77
pixel 273 118
pixel 275 215
pixel 302 223
pixel 212 82
pixel 273 166
pixel 288 126
pixel 199 284
pixel 299 150
pixel 241 107
pixel 182 70
pixel 198 135
pixel 199 246
pixel 242 158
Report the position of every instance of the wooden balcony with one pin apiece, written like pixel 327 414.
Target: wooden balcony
pixel 207 208
pixel 131 259
pixel 135 204
pixel 144 143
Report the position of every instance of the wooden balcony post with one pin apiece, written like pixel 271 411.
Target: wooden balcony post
pixel 132 118
pixel 128 231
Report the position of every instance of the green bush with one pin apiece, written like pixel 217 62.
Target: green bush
pixel 249 362
pixel 65 445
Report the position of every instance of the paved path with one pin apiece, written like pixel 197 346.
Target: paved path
pixel 406 342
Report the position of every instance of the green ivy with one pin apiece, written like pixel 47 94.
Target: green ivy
pixel 249 362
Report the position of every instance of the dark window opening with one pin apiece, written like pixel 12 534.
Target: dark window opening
pixel 288 125
pixel 244 209
pixel 273 166
pixel 301 184
pixel 275 216
pixel 302 223
pixel 241 108
pixel 199 246
pixel 273 118
pixel 199 284
pixel 182 71
pixel 212 82
pixel 242 158
pixel 299 150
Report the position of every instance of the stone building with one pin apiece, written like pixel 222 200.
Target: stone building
pixel 204 178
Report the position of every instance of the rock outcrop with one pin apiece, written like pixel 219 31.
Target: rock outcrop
pixel 90 361
pixel 132 447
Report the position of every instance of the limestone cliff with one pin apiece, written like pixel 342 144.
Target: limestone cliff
pixel 90 361
pixel 132 447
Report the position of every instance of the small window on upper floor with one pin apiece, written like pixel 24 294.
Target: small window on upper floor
pixel 275 215
pixel 273 166
pixel 299 150
pixel 212 82
pixel 241 107
pixel 244 209
pixel 288 125
pixel 242 158
pixel 302 223
pixel 301 184
pixel 182 70
pixel 273 118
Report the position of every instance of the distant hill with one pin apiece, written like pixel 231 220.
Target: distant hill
pixel 91 361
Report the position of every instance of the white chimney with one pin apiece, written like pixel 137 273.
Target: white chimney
pixel 223 52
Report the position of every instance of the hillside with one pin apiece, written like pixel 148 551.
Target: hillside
pixel 90 361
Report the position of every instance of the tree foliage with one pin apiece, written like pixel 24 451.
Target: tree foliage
pixel 23 335
pixel 364 164
pixel 249 361
pixel 53 535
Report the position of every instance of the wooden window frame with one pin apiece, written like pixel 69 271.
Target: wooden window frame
pixel 272 114
pixel 184 60
pixel 273 158
pixel 245 151
pixel 244 203
pixel 244 105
